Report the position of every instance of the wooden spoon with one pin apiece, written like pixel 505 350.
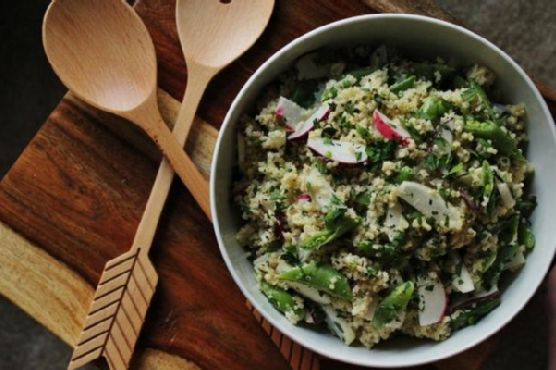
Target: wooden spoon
pixel 213 34
pixel 128 282
pixel 103 52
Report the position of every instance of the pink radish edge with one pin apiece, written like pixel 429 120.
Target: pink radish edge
pixel 386 129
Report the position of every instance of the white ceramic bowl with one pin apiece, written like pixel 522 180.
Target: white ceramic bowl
pixel 414 35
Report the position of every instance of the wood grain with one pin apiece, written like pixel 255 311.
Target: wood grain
pixel 26 270
pixel 103 52
pixel 117 312
pixel 78 190
pixel 74 193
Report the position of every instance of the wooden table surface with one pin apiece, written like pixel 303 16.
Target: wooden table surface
pixel 74 198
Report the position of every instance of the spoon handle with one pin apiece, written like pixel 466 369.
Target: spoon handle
pixel 196 85
pixel 183 166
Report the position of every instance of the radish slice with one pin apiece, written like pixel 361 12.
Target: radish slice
pixel 388 129
pixel 337 150
pixel 304 197
pixel 290 111
pixel 463 282
pixel 430 203
pixel 307 68
pixel 506 195
pixel 433 302
pixel 306 126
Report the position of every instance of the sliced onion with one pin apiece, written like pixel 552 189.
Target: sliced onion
pixel 290 111
pixel 337 150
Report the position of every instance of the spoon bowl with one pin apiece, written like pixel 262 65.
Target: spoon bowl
pixel 112 67
pixel 103 52
pixel 207 27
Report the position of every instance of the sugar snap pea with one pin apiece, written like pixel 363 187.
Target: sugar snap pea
pixel 500 139
pixel 282 300
pixel 393 304
pixel 321 277
pixel 333 231
pixel 471 316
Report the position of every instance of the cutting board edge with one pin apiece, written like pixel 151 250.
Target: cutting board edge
pixel 69 296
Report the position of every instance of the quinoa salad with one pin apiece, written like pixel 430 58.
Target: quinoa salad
pixel 381 195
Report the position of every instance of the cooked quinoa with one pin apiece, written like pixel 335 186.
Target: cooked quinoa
pixel 383 195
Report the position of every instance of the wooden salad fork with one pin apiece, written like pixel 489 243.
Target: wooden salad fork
pixel 128 282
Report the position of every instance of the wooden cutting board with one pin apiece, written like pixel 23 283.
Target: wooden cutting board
pixel 74 198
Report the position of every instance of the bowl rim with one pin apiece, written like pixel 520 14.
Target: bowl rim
pixel 287 330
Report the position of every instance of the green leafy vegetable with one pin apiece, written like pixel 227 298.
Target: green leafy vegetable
pixel 430 70
pixel 329 93
pixel 475 94
pixel 433 108
pixel 404 174
pixel 381 150
pixel 402 85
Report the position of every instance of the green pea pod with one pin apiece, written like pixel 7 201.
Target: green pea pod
pixel 526 236
pixel 472 316
pixel 321 277
pixel 282 300
pixel 393 304
pixel 488 181
pixel 333 231
pixel 433 108
pixel 500 139
pixel 402 85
